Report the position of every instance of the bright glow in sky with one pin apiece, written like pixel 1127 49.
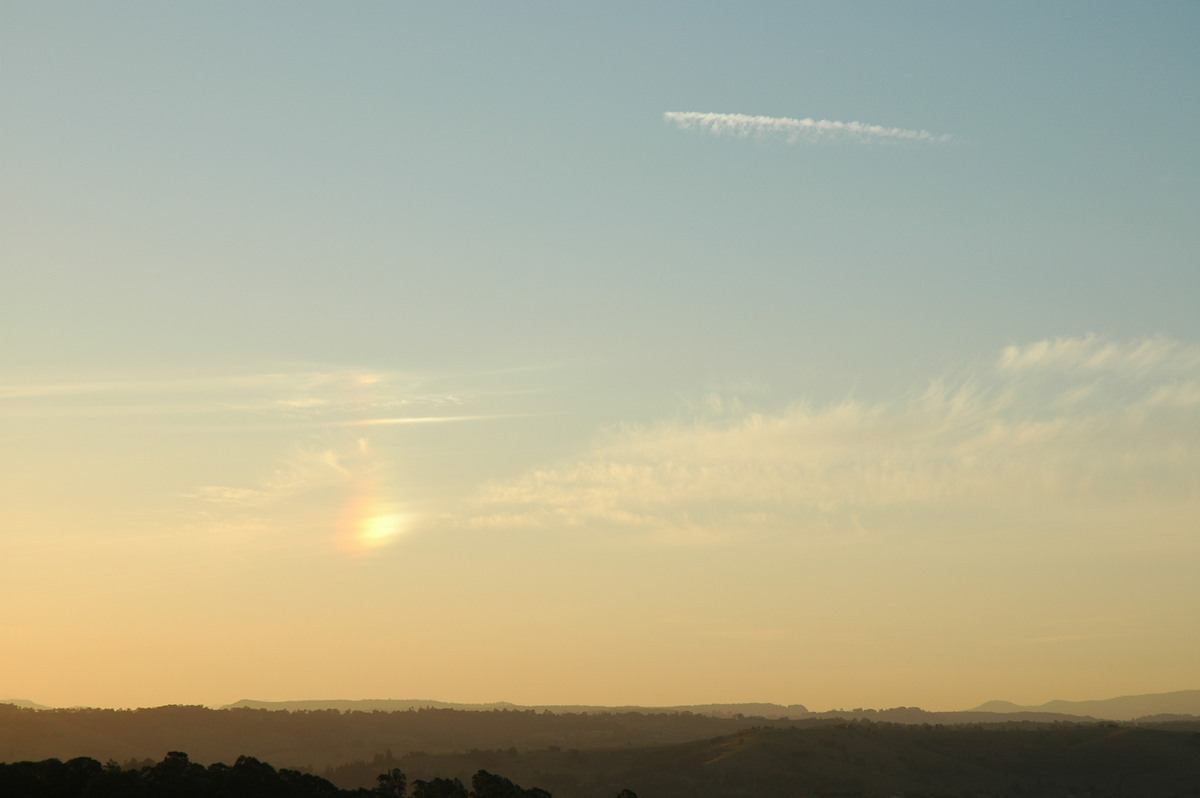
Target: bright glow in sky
pixel 838 354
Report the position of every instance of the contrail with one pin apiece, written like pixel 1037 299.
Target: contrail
pixel 793 130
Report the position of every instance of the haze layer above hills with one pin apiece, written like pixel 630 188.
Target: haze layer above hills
pixel 1130 707
pixel 760 710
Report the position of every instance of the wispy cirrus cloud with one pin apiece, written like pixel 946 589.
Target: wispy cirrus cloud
pixel 282 454
pixel 277 399
pixel 406 420
pixel 1093 353
pixel 303 471
pixel 337 494
pixel 795 130
pixel 1056 443
pixel 332 482
pixel 165 386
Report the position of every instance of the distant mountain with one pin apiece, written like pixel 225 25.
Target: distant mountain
pixel 21 702
pixel 773 711
pixel 361 705
pixel 1128 707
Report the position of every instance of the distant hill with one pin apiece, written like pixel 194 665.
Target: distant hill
pixel 1129 707
pixel 773 711
pixel 663 755
pixel 748 712
pixel 21 702
pixel 320 737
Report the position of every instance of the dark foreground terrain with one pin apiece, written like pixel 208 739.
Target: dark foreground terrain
pixel 178 777
pixel 856 759
pixel 583 756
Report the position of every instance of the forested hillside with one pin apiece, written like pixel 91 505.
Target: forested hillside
pixel 316 739
pixel 856 759
pixel 319 738
pixel 606 755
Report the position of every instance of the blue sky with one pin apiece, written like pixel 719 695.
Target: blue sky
pixel 449 277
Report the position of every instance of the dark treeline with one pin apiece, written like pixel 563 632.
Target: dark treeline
pixel 177 776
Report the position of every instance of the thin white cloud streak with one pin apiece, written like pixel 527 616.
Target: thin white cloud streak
pixel 307 396
pixel 996 444
pixel 299 378
pixel 795 130
pixel 296 385
pixel 290 380
pixel 383 422
pixel 318 423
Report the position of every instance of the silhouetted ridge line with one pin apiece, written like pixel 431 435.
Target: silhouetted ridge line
pixel 1129 707
pixel 763 710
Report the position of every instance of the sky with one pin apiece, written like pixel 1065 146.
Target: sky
pixel 842 354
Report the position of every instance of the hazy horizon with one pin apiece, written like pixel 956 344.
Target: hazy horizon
pixel 1176 701
pixel 611 354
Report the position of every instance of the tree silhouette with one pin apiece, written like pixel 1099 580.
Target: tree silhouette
pixel 439 788
pixel 393 783
pixel 489 785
